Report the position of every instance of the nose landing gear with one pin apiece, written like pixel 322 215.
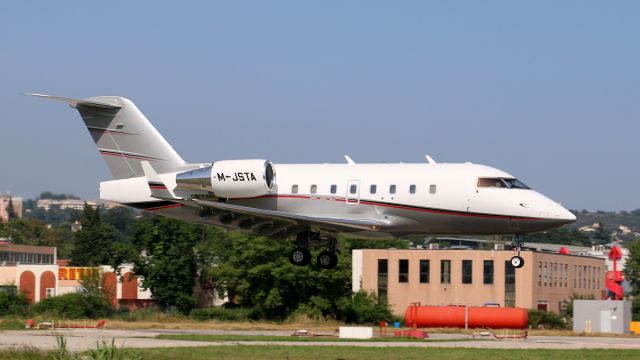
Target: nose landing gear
pixel 516 244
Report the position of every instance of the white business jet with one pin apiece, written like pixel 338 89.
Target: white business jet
pixel 311 203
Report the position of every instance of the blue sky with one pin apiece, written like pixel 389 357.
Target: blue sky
pixel 546 90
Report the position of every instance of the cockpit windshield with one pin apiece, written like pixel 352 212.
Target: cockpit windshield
pixel 509 183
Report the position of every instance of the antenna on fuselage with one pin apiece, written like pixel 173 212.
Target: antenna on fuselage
pixel 349 160
pixel 430 159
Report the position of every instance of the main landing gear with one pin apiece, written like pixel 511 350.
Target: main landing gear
pixel 301 256
pixel 516 244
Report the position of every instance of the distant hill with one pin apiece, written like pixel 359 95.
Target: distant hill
pixel 612 222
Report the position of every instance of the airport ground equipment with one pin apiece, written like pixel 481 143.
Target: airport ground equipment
pixel 418 316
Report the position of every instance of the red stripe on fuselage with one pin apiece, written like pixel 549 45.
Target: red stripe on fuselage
pixel 403 207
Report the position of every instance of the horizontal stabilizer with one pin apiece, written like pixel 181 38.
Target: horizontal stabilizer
pixel 105 104
pixel 156 185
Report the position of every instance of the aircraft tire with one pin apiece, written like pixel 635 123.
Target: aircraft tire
pixel 300 256
pixel 327 260
pixel 517 262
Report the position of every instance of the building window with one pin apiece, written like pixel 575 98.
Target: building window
pixel 543 305
pixel 314 189
pixel 575 276
pixel 383 276
pixel 445 271
pixel 432 189
pixel 403 270
pixel 392 189
pixel 294 189
pixel 424 271
pixel 539 273
pixel 353 188
pixel 488 272
pixel 372 189
pixel 467 271
pixel 334 189
pixel 412 189
pixel 509 284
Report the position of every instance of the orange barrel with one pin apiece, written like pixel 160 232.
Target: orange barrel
pixel 479 317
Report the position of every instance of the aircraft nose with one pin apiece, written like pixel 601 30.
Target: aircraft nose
pixel 565 216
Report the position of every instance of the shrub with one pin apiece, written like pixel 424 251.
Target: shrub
pixel 222 314
pixel 12 302
pixel 549 320
pixel 74 306
pixel 364 308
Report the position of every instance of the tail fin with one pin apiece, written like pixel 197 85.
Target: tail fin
pixel 124 136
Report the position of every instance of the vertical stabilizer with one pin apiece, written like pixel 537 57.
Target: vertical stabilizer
pixel 124 136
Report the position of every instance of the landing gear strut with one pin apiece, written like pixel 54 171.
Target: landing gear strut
pixel 516 244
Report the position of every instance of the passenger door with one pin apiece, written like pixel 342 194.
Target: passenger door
pixel 353 192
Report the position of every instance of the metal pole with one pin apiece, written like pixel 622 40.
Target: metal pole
pixel 466 317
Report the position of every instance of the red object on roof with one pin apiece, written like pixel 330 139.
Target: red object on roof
pixel 615 253
pixel 564 250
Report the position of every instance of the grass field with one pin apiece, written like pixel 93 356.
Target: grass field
pixel 347 353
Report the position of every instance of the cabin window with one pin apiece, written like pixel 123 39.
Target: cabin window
pixel 353 189
pixel 432 189
pixel 392 189
pixel 412 189
pixel 334 189
pixel 294 189
pixel 314 189
pixel 373 189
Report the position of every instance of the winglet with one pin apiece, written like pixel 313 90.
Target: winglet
pixel 349 160
pixel 156 185
pixel 75 102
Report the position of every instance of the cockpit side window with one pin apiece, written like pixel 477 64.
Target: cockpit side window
pixel 509 183
pixel 491 183
pixel 515 184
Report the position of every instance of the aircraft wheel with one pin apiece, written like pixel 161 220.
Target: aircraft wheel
pixel 517 262
pixel 300 256
pixel 327 260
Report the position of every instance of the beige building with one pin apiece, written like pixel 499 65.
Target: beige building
pixel 476 277
pixel 76 204
pixel 36 272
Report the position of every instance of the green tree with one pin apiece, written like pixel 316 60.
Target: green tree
pixel 632 267
pixel 255 272
pixel 167 260
pixel 93 244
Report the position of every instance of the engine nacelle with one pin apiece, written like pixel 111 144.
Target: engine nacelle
pixel 232 178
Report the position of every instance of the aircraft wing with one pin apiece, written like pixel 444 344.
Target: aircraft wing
pixel 327 222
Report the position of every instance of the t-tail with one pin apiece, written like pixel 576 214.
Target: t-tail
pixel 124 136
